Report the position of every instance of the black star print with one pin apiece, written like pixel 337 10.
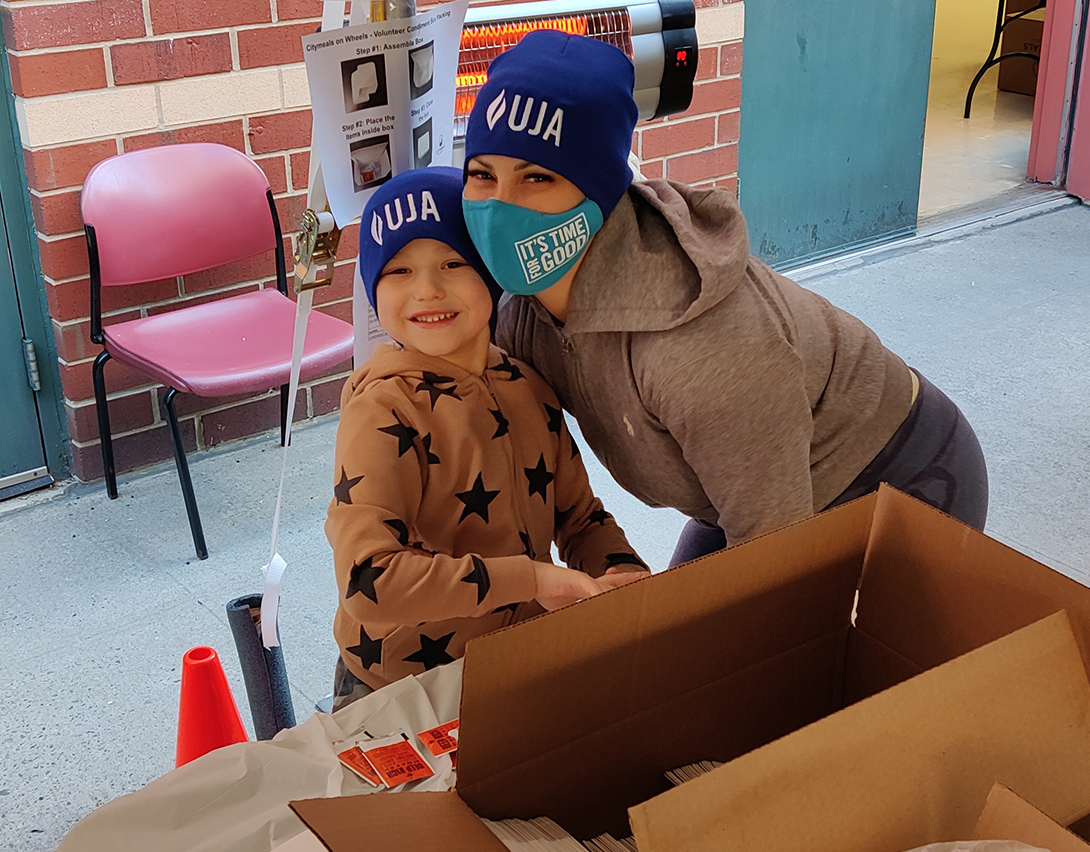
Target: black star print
pixel 613 559
pixel 432 653
pixel 402 531
pixel 512 370
pixel 574 446
pixel 341 489
pixel 527 547
pixel 431 457
pixel 431 385
pixel 598 516
pixel 501 423
pixel 476 500
pixel 554 418
pixel 369 650
pixel 404 434
pixel 362 579
pixel 539 478
pixel 479 577
pixel 561 518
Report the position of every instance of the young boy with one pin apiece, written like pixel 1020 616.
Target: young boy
pixel 454 469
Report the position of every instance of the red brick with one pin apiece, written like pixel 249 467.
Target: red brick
pixel 54 73
pixel 61 24
pixel 56 214
pixel 179 16
pixel 350 242
pixel 56 168
pixel 272 45
pixel 325 396
pixel 729 127
pixel 71 300
pixel 706 165
pixel 341 311
pixel 73 340
pixel 715 96
pixel 238 421
pixel 652 170
pixel 341 288
pixel 133 411
pixel 707 65
pixel 78 385
pixel 63 258
pixel 675 137
pixel 276 170
pixel 290 209
pixel 134 451
pixel 730 183
pixel 730 59
pixel 300 170
pixel 287 10
pixel 224 133
pixel 258 268
pixel 171 58
pixel 280 132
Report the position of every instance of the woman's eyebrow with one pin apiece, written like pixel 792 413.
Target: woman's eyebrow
pixel 526 164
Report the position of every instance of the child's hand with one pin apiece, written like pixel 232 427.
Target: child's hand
pixel 557 587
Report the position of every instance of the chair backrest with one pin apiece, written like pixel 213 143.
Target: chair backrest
pixel 169 211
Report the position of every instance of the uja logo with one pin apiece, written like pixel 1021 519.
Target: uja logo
pixel 521 124
pixel 427 208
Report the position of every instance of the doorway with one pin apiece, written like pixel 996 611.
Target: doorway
pixel 979 162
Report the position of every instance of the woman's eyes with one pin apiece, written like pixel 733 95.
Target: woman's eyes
pixel 480 174
pixel 539 177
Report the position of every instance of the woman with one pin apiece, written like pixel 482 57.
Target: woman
pixel 702 379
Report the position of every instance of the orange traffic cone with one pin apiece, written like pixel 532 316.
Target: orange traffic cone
pixel 207 714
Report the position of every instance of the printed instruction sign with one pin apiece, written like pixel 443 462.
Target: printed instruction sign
pixel 382 96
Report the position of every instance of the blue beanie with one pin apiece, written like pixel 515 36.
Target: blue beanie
pixel 563 102
pixel 417 205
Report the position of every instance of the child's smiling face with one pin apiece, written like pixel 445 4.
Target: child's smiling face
pixel 431 300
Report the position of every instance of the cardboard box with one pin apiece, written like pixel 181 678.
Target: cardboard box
pixel 1019 74
pixel 1007 816
pixel 876 649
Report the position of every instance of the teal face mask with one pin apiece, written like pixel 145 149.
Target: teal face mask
pixel 527 251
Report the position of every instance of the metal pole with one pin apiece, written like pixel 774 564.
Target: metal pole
pixel 388 10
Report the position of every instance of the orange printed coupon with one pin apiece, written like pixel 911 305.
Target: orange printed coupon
pixel 353 758
pixel 442 739
pixel 396 761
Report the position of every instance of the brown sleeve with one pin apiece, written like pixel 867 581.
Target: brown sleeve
pixel 377 495
pixel 587 536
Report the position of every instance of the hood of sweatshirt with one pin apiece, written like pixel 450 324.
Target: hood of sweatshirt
pixel 390 360
pixel 619 285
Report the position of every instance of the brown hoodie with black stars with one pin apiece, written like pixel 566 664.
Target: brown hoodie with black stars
pixel 447 485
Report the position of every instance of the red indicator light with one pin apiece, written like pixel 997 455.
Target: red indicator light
pixel 682 57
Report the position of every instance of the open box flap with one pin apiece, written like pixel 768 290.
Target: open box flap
pixel 541 687
pixel 909 766
pixel 926 568
pixel 1007 816
pixel 397 822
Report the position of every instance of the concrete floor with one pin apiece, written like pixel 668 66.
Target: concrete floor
pixel 103 597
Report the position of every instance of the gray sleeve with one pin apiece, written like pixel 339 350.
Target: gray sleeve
pixel 744 427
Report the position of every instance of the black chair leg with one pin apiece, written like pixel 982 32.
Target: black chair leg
pixel 283 413
pixel 103 412
pixel 183 473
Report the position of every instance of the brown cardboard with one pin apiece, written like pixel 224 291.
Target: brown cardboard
pixel 1007 816
pixel 577 715
pixel 409 822
pixel 1019 74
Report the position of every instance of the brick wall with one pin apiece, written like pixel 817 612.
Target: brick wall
pixel 94 78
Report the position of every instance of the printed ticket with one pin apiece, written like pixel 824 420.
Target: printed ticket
pixel 442 739
pixel 353 758
pixel 396 760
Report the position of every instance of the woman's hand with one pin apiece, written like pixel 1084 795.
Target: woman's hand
pixel 557 587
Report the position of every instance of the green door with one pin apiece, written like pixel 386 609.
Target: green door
pixel 834 94
pixel 22 450
pixel 33 441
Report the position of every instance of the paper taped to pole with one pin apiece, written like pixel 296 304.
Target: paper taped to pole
pixel 382 96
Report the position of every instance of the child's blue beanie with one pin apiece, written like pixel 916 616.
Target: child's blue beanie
pixel 416 205
pixel 563 102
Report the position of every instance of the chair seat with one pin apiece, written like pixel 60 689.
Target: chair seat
pixel 237 345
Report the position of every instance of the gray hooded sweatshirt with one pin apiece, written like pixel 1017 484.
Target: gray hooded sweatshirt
pixel 702 379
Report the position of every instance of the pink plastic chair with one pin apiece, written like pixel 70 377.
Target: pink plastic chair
pixel 171 211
